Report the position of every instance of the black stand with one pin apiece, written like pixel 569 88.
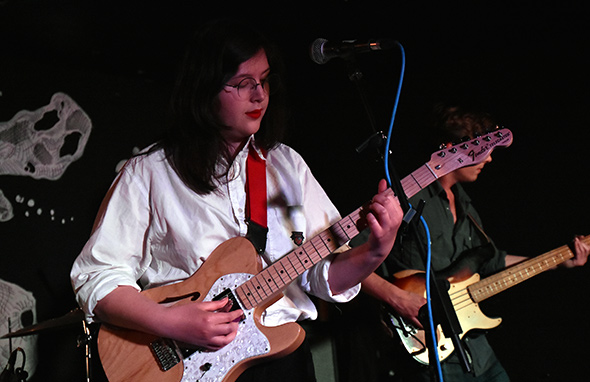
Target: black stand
pixel 85 340
pixel 443 311
pixel 445 315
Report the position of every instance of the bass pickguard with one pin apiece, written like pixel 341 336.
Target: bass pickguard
pixel 414 340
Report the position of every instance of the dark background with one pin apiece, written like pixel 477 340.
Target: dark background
pixel 525 63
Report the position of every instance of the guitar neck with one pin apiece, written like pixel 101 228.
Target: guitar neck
pixel 274 278
pixel 518 273
pixel 418 179
pixel 277 276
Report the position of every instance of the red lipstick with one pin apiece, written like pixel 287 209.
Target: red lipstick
pixel 255 114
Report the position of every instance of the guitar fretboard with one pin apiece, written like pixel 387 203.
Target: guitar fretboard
pixel 274 278
pixel 417 180
pixel 518 273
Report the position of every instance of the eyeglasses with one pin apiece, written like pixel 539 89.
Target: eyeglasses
pixel 246 87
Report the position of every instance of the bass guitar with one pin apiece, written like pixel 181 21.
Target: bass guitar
pixel 466 291
pixel 234 270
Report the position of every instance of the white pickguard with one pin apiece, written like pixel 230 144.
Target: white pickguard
pixel 213 366
pixel 414 340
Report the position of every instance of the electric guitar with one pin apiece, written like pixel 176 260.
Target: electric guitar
pixel 234 270
pixel 466 291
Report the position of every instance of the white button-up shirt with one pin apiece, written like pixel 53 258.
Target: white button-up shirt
pixel 153 230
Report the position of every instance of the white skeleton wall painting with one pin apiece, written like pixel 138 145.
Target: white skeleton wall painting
pixel 42 144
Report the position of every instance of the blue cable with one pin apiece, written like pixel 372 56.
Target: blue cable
pixel 387 175
pixel 428 300
pixel 395 103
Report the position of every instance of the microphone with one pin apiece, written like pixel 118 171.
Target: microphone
pixel 322 51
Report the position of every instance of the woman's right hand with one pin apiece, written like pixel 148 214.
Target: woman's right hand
pixel 207 324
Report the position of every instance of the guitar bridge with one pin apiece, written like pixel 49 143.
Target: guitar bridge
pixel 165 352
pixel 168 354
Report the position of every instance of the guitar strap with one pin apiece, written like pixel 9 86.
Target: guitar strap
pixel 479 228
pixel 256 200
pixel 471 259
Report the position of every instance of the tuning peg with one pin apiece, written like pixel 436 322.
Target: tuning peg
pixel 446 145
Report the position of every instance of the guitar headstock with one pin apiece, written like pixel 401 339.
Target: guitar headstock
pixel 470 152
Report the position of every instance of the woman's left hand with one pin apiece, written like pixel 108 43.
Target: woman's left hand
pixel 384 220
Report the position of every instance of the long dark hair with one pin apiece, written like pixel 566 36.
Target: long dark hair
pixel 193 142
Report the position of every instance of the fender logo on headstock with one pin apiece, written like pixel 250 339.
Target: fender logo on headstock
pixel 485 150
pixel 460 153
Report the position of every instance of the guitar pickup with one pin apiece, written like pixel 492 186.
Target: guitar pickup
pixel 232 300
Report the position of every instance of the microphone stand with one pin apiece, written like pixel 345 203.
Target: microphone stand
pixel 85 340
pixel 443 310
pixel 356 76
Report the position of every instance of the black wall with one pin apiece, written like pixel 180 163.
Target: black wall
pixel 526 64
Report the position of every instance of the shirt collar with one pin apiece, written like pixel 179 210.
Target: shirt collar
pixel 437 190
pixel 252 143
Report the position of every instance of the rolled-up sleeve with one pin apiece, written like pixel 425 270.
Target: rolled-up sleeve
pixel 315 281
pixel 116 253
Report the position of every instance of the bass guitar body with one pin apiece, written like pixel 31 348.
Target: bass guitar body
pixel 465 292
pixel 468 312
